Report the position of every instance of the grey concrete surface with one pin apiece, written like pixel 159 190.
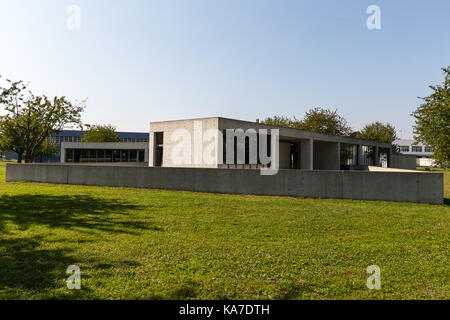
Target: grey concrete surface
pixel 420 187
pixel 402 161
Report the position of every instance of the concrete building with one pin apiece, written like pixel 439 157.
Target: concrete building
pixel 423 153
pixel 297 149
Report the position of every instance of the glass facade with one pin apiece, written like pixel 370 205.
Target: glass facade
pixel 349 154
pixel 104 155
pixel 367 156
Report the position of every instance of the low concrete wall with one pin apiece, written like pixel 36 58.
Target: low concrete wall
pixel 358 185
pixel 401 161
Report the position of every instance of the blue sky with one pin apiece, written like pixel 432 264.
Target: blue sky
pixel 141 61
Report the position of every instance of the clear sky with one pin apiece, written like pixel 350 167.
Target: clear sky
pixel 141 61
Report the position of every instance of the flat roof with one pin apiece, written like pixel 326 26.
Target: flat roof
pixel 317 135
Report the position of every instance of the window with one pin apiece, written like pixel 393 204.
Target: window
pixel 141 155
pixel 349 154
pixel 159 143
pixel 69 155
pixel 367 156
pixel 416 148
pixel 84 157
pixel 404 148
pixel 100 155
pixel 92 155
pixel 428 149
pixel 108 155
pixel 133 156
pixel 124 156
pixel 116 156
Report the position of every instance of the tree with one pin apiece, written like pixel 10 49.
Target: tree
pixel 325 121
pixel 316 120
pixel 31 119
pixel 433 121
pixel 378 131
pixel 47 149
pixel 281 121
pixel 101 133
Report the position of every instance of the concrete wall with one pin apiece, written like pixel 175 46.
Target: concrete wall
pixel 171 141
pixel 307 154
pixel 326 155
pixel 391 186
pixel 401 161
pixel 285 155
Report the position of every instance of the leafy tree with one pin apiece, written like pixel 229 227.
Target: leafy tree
pixel 31 119
pixel 281 121
pixel 325 121
pixel 378 131
pixel 101 133
pixel 315 120
pixel 433 121
pixel 48 148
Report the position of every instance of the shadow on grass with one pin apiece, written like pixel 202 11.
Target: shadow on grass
pixel 28 268
pixel 447 201
pixel 35 266
pixel 293 291
pixel 80 212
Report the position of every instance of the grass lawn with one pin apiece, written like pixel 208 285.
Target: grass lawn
pixel 147 244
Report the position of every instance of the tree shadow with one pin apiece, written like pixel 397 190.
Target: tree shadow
pixel 28 269
pixel 293 291
pixel 187 290
pixel 35 265
pixel 80 212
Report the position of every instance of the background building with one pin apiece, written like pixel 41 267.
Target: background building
pixel 76 135
pixel 423 153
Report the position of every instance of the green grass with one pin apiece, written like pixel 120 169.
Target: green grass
pixel 147 244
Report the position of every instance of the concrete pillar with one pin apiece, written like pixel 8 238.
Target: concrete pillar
pixel 150 155
pixel 358 155
pixel 63 155
pixel 307 154
pixel 375 158
pixel 338 156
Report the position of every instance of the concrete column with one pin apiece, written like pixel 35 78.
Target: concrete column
pixel 63 155
pixel 375 158
pixel 338 156
pixel 307 154
pixel 358 155
pixel 150 155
